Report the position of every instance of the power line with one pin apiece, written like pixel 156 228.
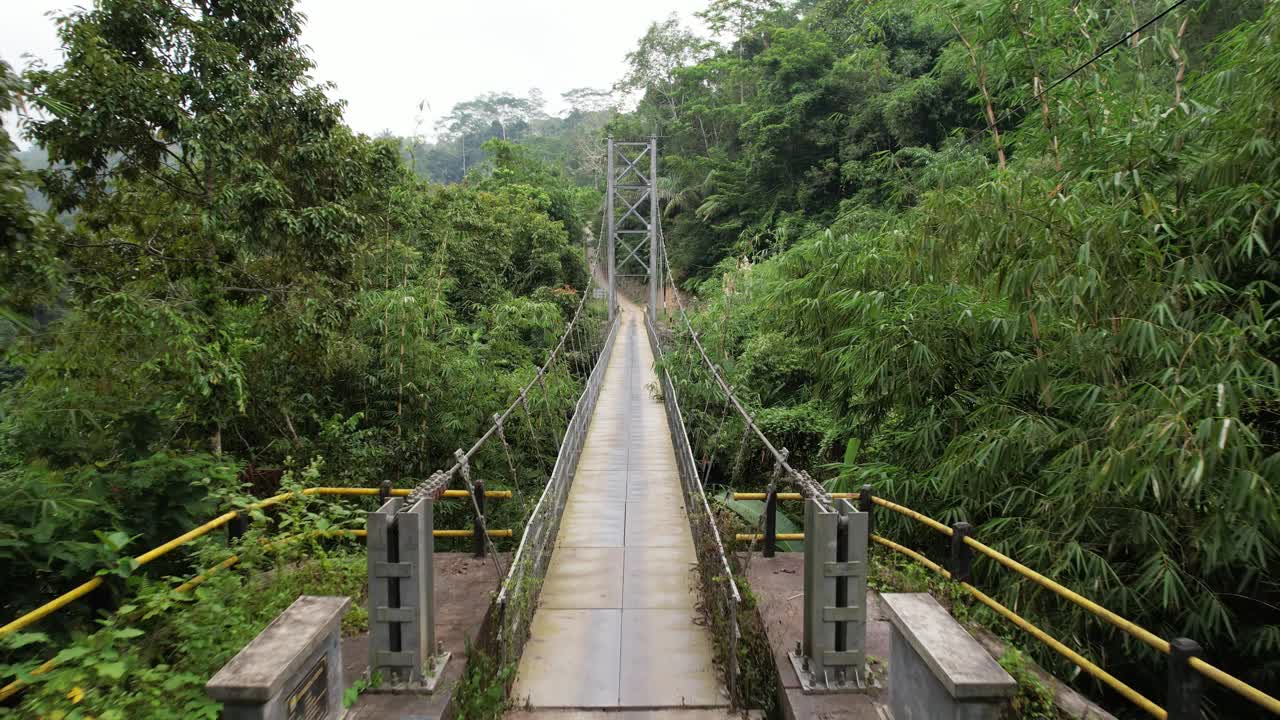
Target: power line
pixel 1075 71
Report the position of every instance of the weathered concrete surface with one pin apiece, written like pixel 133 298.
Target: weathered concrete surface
pixel 957 660
pixel 274 658
pixel 915 693
pixel 664 714
pixel 778 583
pixel 463 586
pixel 616 624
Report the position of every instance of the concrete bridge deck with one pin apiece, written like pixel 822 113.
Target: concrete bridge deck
pixel 615 625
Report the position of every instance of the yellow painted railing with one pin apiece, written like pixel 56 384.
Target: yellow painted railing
pixel 85 588
pixel 1221 677
pixel 80 591
pixel 788 496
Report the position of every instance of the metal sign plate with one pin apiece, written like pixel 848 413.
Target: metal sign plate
pixel 310 700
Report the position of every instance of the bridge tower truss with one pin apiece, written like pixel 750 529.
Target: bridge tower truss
pixel 631 214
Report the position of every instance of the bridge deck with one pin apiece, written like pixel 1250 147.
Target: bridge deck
pixel 615 622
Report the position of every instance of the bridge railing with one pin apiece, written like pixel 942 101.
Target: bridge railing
pixel 718 588
pixel 1184 695
pixel 512 610
pixel 235 521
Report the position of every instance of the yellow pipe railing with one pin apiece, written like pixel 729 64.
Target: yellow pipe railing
pixel 401 492
pixel 1221 677
pixel 788 496
pixel 1133 629
pixel 84 589
pixel 757 537
pixel 1236 685
pixel 12 688
pixel 913 515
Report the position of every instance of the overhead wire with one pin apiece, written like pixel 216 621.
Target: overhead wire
pixel 1077 69
pixel 806 484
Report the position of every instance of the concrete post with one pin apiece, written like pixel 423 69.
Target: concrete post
pixel 866 504
pixel 477 532
pixel 770 523
pixel 961 554
pixel 238 526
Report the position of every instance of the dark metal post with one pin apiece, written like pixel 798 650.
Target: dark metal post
pixel 865 504
pixel 770 523
pixel 1186 687
pixel 238 526
pixel 842 583
pixel 655 273
pixel 961 554
pixel 384 492
pixel 611 238
pixel 477 533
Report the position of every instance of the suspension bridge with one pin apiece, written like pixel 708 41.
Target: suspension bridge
pixel 621 593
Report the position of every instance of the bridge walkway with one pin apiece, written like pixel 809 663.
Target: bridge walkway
pixel 615 625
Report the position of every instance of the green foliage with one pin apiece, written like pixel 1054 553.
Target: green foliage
pixel 104 676
pixel 26 263
pixel 151 658
pixel 1069 343
pixel 1034 701
pixel 351 694
pixel 464 137
pixel 239 297
pixel 758 675
pixel 481 693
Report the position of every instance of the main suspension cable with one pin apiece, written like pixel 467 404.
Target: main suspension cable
pixel 808 486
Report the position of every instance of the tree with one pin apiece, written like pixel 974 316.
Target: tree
pixel 586 100
pixel 651 68
pixel 28 267
pixel 1066 339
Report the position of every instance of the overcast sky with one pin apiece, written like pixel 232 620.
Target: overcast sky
pixel 385 56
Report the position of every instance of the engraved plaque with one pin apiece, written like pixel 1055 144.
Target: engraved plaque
pixel 310 700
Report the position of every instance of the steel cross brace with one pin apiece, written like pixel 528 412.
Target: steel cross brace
pixel 634 253
pixel 631 210
pixel 631 166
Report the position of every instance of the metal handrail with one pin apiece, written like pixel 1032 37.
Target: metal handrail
pixel 16 686
pixel 1209 671
pixel 806 484
pixel 85 588
pixel 706 507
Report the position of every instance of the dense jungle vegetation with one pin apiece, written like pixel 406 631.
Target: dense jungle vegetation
pixel 929 259
pixel 241 295
pixel 1047 309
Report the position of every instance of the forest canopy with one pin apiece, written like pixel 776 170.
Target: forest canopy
pixel 1007 270
pixel 1009 263
pixel 241 295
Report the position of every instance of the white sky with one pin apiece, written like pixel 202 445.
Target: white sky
pixel 385 56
